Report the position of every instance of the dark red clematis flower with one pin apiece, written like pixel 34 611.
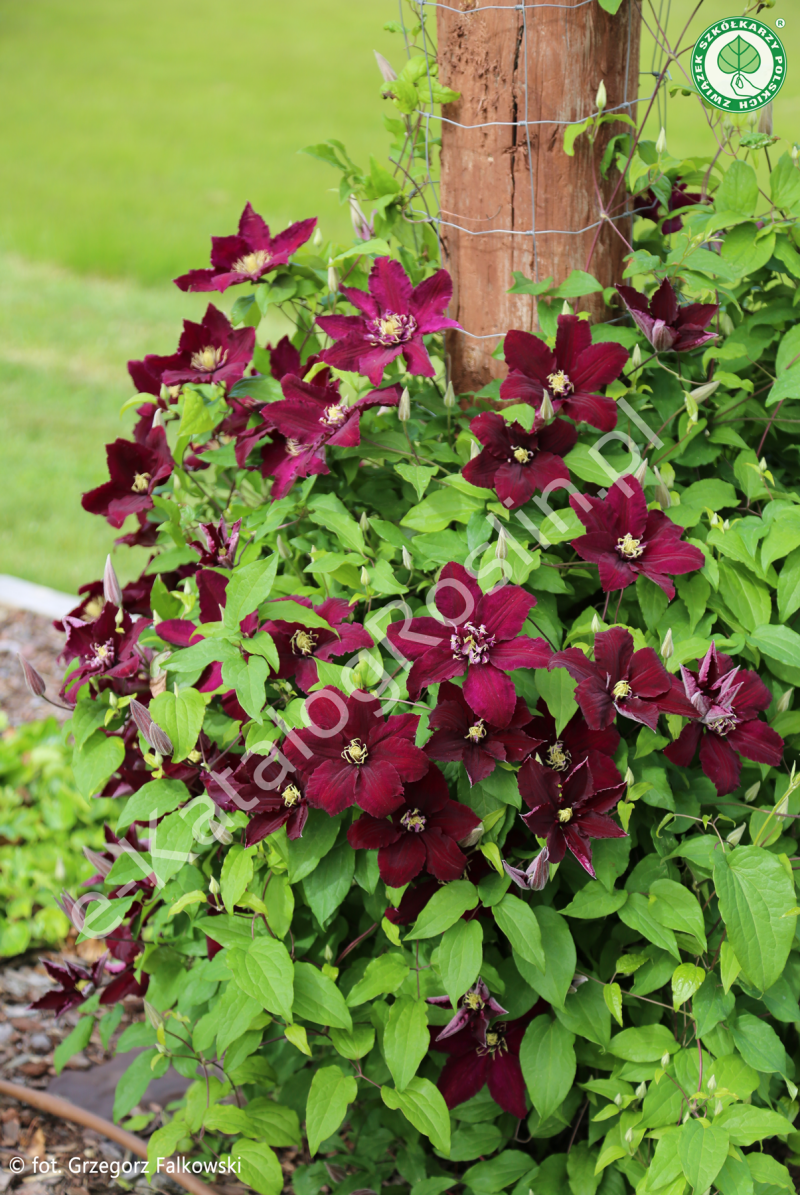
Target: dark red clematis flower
pixel 145 535
pixel 299 646
pixel 394 318
pixel 423 834
pixel 728 700
pixel 666 324
pixel 475 1009
pixel 147 376
pixel 568 809
pixel 647 204
pixel 285 358
pixel 107 649
pixel 211 351
pixel 69 995
pixel 136 469
pixel 481 637
pixel 262 788
pixel 459 734
pixel 625 539
pixel 493 1061
pixel 135 599
pixel 570 373
pixel 412 902
pixel 219 550
pixel 248 256
pixel 576 743
pixel 515 463
pixel 352 756
pixel 621 681
pixel 287 461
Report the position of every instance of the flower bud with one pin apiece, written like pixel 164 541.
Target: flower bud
pixel 636 358
pixel 661 492
pixel 765 120
pixel 213 886
pixel 629 1136
pixel 701 393
pixel 408 559
pixel 111 586
pixel 618 1100
pixel 284 551
pixel 449 396
pixel 364 578
pixel 712 1084
pixel 641 472
pixel 333 277
pixel 501 547
pixel 717 1107
pixel 363 522
pixel 630 779
pixel 33 679
pixel 667 647
pixel 661 144
pixel 601 99
pixel 785 701
pixel 152 733
pixel 388 73
pixel 566 309
pixel 317 238
pixel 641 1090
pixel 665 1060
pixel 726 324
pixel 404 406
pixel 795 152
pixel 735 836
pixel 547 410
pixel 597 623
pixel 752 792
pixel 475 449
pixel 361 225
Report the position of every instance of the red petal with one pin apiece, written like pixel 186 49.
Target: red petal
pixel 404 859
pixel 463 1077
pixel 506 1084
pixel 573 339
pixel 720 763
pixel 378 788
pixel 538 786
pixel 504 611
pixel 490 693
pixel 681 752
pixel 612 653
pixel 458 594
pixel 528 354
pixel 444 859
pixel 757 741
pixel 369 833
pixel 331 787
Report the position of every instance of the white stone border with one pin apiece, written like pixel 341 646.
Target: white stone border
pixel 39 599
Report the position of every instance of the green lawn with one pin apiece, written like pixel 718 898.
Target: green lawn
pixel 131 132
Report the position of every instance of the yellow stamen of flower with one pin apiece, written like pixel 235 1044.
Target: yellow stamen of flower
pixel 413 820
pixel 621 689
pixel 628 546
pixel 476 732
pixel 335 414
pixel 303 643
pixel 521 455
pixel 355 752
pixel 564 816
pixel 208 359
pixel 93 608
pixel 140 483
pixel 293 447
pixel 390 326
pixel 559 383
pixel 251 263
pixel 291 795
pixel 472 1000
pixel 558 758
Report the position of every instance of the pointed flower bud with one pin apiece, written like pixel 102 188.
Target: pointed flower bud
pixel 752 792
pixel 333 277
pixel 404 406
pixel 641 472
pixel 449 396
pixel 636 358
pixel 735 836
pixel 112 591
pixel 667 647
pixel 160 418
pixel 33 679
pixel 785 701
pixel 364 577
pixel 213 886
pixel 726 324
pixel 712 1084
pixel 665 1060
pixel 701 393
pixel 363 522
pixel 662 493
pixel 474 450
pixel 601 99
pixel 284 551
pixel 566 309
pixel 388 73
pixel 661 144
pixel 597 623
pixel 152 733
pixel 547 410
pixel 630 779
pixel 501 547
pixel 641 1090
pixel 361 225
pixel 618 1099
pixel 408 559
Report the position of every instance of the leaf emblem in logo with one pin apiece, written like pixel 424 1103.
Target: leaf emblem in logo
pixel 739 58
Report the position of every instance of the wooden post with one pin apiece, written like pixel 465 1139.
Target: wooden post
pixel 541 64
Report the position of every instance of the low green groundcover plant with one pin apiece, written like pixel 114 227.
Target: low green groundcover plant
pixel 450 736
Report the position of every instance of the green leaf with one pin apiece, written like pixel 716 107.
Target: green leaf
pixel 444 908
pixel 778 643
pixel 611 6
pixel 488 1178
pixel 789 586
pixel 417 475
pixel 328 884
pixel 739 57
pixel 287 610
pixel 95 761
pixel 553 980
pixel 406 1040
pixel 237 872
pixel 517 921
pixel 768 1171
pixel 594 901
pixel 460 956
pixel 759 1044
pixel 686 980
pixel 152 801
pixel 88 717
pixel 738 192
pixel 678 908
pixel 612 994
pixel 262 644
pixel 423 1104
pixel 745 1124
pixel 170 843
pixel 383 974
pixel 181 716
pixel 745 251
pixel 248 678
pixel 578 284
pixel 135 1081
pixel 73 1043
pixel 330 1094
pixel 784 182
pixel 710 1005
pixel 547 1058
pixel 586 1013
pixel 646 1044
pixel 317 998
pixel 259 1168
pixel 353 1043
pixel 637 914
pixel 702 1149
pixel 754 892
pixel 783 537
pixel 747 599
pixel 557 688
pixel 264 970
pixel 329 511
pixel 305 853
pixel 440 509
pixel 248 588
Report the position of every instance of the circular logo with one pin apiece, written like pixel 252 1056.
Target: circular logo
pixel 738 65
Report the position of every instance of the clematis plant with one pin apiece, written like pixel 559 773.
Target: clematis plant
pixel 667 324
pixel 249 255
pixel 515 463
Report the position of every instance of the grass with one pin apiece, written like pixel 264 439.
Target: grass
pixel 133 130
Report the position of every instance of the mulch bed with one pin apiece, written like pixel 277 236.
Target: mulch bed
pixel 35 637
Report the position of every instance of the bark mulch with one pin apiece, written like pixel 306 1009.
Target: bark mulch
pixel 35 637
